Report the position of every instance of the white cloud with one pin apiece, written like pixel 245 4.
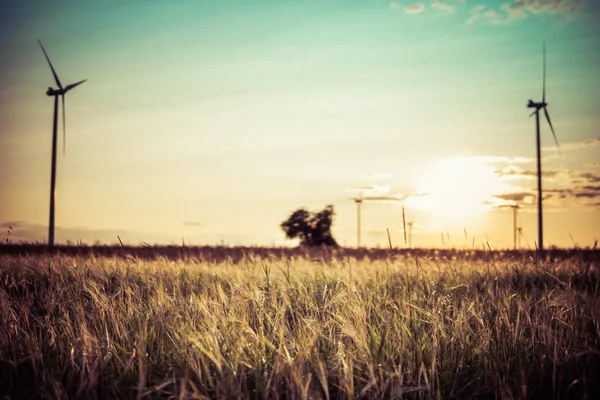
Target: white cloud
pixel 443 6
pixel 371 190
pixel 514 11
pixel 521 9
pixel 415 8
pixel 494 17
pixel 512 172
pixel 571 188
pixel 476 13
pixel 550 6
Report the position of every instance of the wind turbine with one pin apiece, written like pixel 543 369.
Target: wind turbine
pixel 515 208
pixel 359 201
pixel 56 93
pixel 541 106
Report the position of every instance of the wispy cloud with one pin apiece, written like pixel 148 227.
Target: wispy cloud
pixel 479 12
pixel 589 191
pixel 370 190
pixel 550 6
pixel 476 13
pixel 498 13
pixel 514 172
pixel 580 195
pixel 394 5
pixel 586 178
pixel 381 194
pixel 521 9
pixel 402 196
pixel 573 177
pixel 440 6
pixel 415 8
pixel 579 188
pixel 397 198
pixel 494 17
pixel 443 6
pixel 517 197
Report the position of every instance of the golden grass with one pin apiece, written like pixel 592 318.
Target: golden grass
pixel 113 327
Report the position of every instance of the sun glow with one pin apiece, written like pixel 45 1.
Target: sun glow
pixel 459 189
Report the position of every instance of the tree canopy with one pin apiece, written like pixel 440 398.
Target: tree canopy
pixel 313 229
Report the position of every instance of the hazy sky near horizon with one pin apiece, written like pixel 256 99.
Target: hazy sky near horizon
pixel 213 120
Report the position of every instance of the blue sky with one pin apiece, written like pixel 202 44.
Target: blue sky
pixel 214 120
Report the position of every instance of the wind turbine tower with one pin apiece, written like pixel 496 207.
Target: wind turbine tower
pixel 56 93
pixel 358 201
pixel 541 106
pixel 515 208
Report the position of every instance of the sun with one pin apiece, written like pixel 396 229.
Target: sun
pixel 459 189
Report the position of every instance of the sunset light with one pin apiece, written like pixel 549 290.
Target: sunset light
pixel 460 189
pixel 300 199
pixel 213 120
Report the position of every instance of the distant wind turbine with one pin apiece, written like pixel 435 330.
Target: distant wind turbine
pixel 515 208
pixel 61 91
pixel 541 106
pixel 359 201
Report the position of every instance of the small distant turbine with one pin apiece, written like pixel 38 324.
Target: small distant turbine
pixel 359 201
pixel 541 106
pixel 515 208
pixel 61 91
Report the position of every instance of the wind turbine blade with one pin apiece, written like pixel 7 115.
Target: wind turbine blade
pixel 64 126
pixel 51 66
pixel 552 129
pixel 544 84
pixel 71 86
pixel 533 113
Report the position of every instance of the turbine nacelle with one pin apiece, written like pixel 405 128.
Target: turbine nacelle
pixel 537 106
pixel 62 91
pixel 55 92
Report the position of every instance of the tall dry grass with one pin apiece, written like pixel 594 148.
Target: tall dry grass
pixel 111 327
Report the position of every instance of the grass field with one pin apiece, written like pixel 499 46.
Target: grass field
pixel 256 323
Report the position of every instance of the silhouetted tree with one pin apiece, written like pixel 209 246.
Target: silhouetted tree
pixel 313 229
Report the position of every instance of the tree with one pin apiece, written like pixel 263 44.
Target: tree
pixel 313 229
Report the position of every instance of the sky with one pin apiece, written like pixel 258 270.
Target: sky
pixel 211 121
